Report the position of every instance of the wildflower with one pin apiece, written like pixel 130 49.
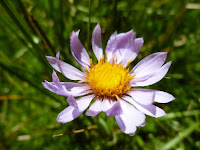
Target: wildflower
pixel 109 83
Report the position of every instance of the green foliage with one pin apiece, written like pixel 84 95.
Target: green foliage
pixel 30 30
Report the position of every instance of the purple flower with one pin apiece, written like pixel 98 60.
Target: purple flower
pixel 109 83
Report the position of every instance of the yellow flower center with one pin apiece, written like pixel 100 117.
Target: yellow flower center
pixel 108 80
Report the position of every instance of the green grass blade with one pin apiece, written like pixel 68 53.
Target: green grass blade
pixel 38 52
pixel 182 135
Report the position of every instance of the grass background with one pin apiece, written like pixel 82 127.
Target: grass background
pixel 30 30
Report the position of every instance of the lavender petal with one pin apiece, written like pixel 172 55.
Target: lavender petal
pixel 96 42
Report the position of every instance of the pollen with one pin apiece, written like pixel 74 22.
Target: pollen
pixel 108 80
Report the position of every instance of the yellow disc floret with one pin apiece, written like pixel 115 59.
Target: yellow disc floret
pixel 108 80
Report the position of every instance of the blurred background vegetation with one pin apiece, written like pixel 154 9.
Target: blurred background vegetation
pixel 32 29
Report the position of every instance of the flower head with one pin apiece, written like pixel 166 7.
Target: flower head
pixel 109 83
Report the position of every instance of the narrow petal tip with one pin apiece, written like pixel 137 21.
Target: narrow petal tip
pixel 58 54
